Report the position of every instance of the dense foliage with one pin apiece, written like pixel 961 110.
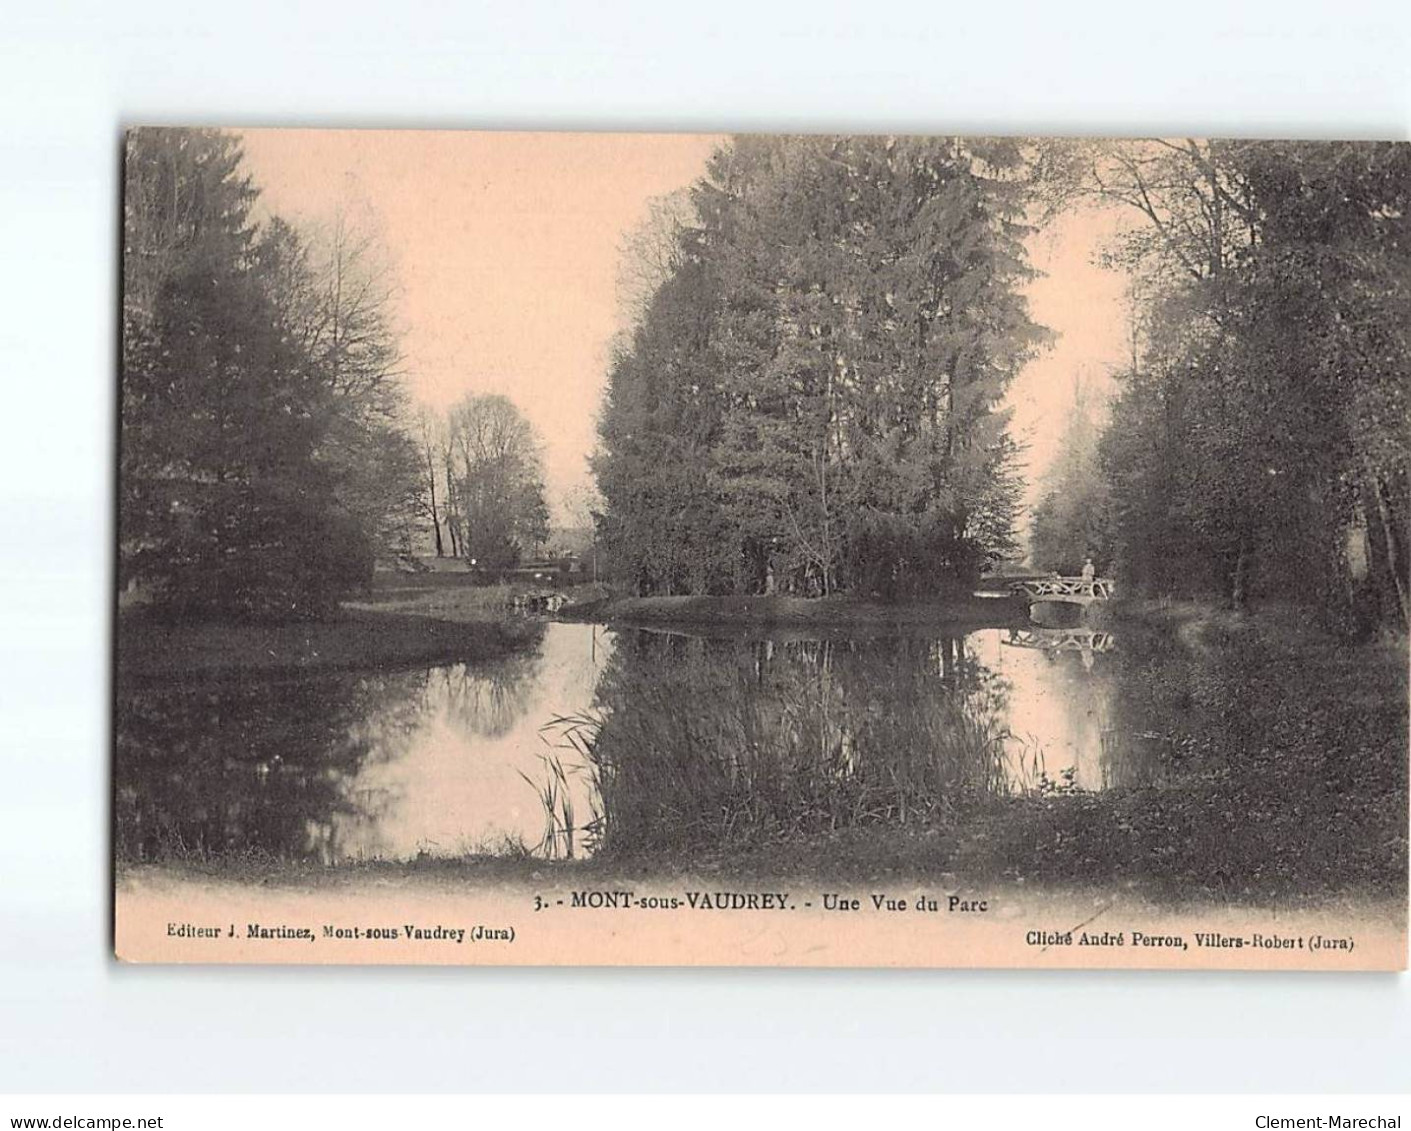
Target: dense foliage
pixel 810 400
pixel 262 467
pixel 494 509
pixel 1257 449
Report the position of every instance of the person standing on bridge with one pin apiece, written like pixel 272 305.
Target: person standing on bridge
pixel 1088 571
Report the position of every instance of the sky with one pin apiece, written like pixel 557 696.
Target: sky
pixel 504 250
pixel 1084 305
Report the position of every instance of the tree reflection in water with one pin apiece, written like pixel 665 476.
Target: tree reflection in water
pixel 699 741
pixel 287 768
pixel 683 743
pixel 1186 769
pixel 432 784
pixel 249 767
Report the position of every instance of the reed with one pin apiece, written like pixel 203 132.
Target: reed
pixel 556 798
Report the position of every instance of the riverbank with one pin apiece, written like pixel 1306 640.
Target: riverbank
pixel 800 612
pixel 363 637
pixel 596 603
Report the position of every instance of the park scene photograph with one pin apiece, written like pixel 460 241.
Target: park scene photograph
pixel 516 531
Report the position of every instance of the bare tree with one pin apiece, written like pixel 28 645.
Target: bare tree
pixel 430 440
pixel 338 295
pixel 495 476
pixel 650 253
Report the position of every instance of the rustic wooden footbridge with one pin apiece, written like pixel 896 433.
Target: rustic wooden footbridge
pixel 1082 591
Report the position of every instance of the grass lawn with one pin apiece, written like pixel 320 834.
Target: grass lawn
pixel 362 637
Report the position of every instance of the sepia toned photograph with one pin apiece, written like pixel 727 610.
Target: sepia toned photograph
pixel 808 550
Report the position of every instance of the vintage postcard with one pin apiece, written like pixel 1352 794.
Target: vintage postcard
pixel 762 550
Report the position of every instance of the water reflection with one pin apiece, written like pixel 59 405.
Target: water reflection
pixel 644 740
pixel 1087 642
pixel 345 766
pixel 699 741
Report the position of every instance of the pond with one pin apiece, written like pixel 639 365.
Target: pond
pixel 637 739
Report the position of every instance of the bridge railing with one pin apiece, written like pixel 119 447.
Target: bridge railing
pixel 1096 588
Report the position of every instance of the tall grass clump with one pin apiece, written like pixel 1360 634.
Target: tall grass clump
pixel 563 837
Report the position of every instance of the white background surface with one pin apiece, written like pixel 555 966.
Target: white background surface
pixel 598 1112
pixel 72 74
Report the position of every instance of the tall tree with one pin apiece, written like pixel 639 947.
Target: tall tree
pixel 225 507
pixel 1263 428
pixel 430 439
pixel 337 296
pixel 822 372
pixel 661 524
pixel 495 464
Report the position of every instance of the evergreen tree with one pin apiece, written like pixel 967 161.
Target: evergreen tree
pixel 662 527
pixel 823 373
pixel 225 509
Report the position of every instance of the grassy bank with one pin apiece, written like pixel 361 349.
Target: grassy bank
pixel 785 611
pixel 464 603
pixel 855 857
pixel 361 637
pixel 469 603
